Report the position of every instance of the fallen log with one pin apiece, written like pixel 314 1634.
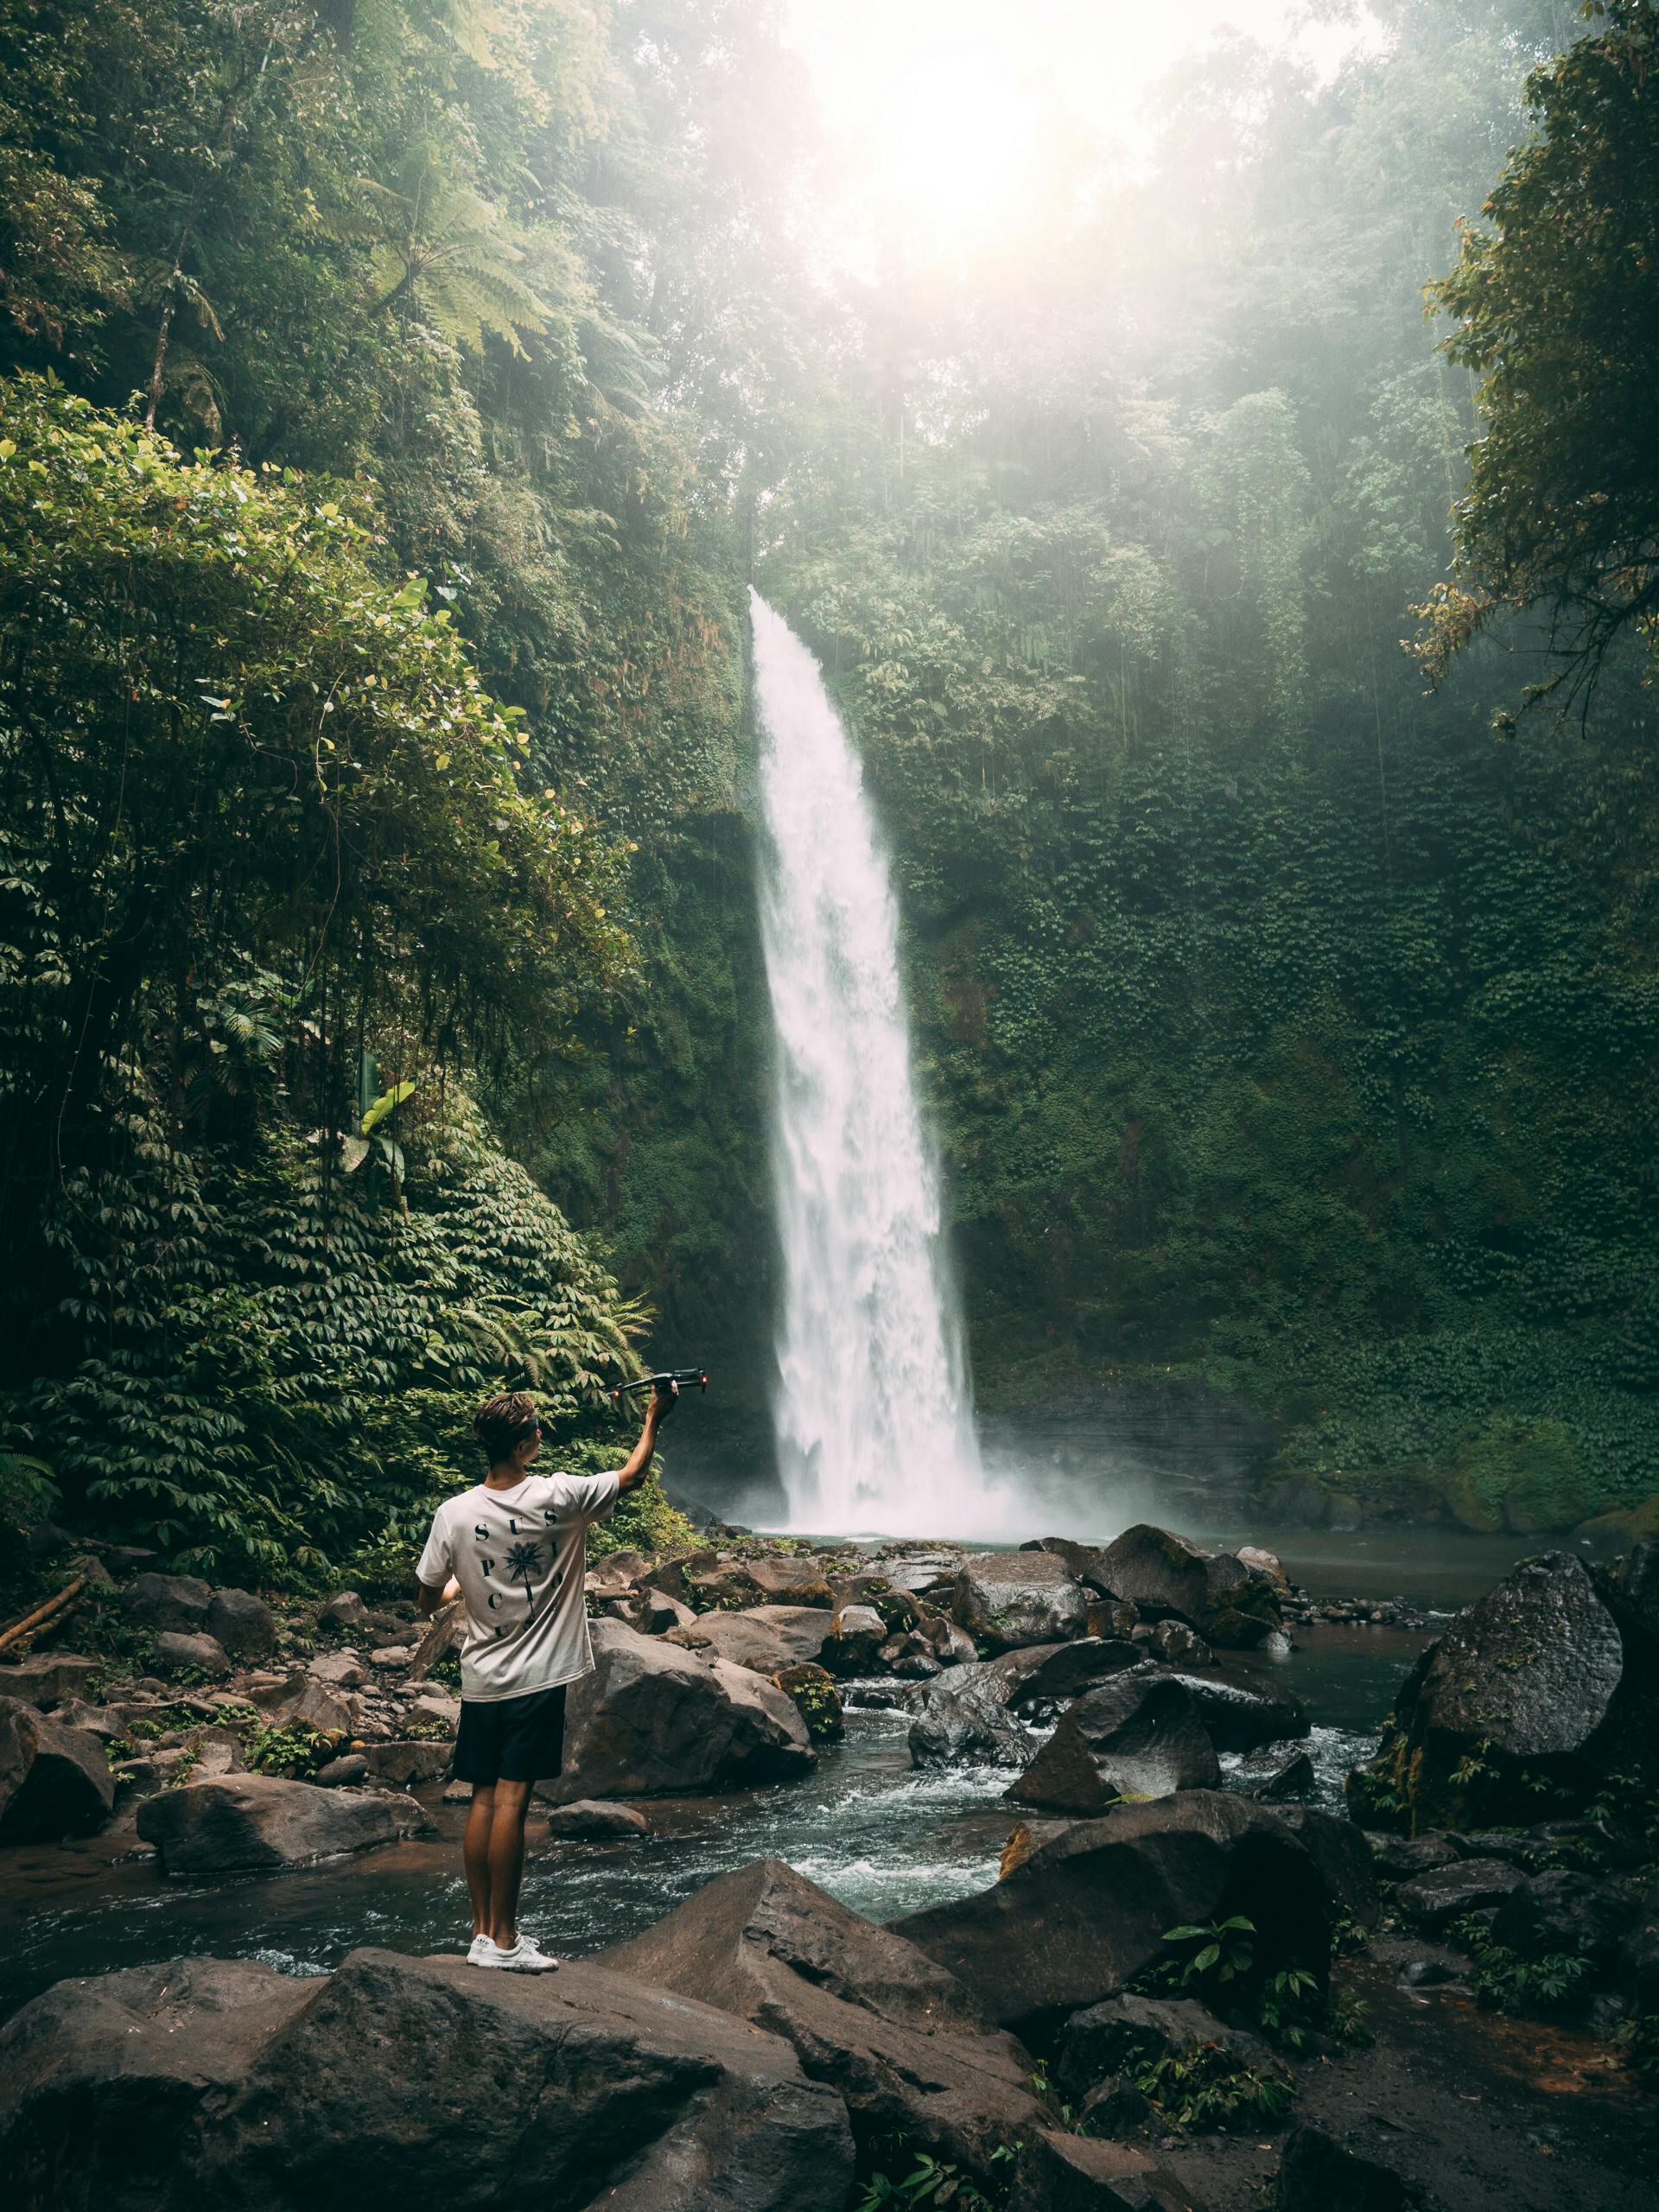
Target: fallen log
pixel 43 1615
pixel 445 1628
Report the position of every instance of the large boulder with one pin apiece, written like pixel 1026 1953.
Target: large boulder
pixel 1532 1685
pixel 653 1720
pixel 175 1601
pixel 1241 1718
pixel 1086 1912
pixel 403 2080
pixel 1342 1852
pixel 48 1678
pixel 1003 1599
pixel 1162 1573
pixel 53 1781
pixel 1564 1912
pixel 1138 1735
pixel 963 1719
pixel 884 2025
pixel 244 1624
pixel 1432 1901
pixel 249 1822
pixel 1041 1678
pixel 765 1638
pixel 103 2080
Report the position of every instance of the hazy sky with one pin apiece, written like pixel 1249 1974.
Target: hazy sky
pixel 943 110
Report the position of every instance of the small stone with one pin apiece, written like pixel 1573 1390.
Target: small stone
pixel 457 1793
pixel 176 1651
pixel 389 1655
pixel 342 1670
pixel 403 1763
pixel 596 1819
pixel 350 1767
pixel 342 1610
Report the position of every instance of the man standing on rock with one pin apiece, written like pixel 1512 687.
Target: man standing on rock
pixel 516 1550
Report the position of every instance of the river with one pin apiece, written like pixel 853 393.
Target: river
pixel 866 1825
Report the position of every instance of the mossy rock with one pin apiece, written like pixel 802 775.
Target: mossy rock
pixel 1528 1475
pixel 1610 1534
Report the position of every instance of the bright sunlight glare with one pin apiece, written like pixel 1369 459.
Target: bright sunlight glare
pixel 950 122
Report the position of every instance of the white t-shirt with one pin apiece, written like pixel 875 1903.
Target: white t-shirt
pixel 519 1556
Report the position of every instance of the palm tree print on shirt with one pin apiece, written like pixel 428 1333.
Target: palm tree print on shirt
pixel 522 1561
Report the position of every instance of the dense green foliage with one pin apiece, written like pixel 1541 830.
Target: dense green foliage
pixel 1556 295
pixel 396 395
pixel 1285 1031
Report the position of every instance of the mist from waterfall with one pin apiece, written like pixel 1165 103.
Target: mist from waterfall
pixel 873 1413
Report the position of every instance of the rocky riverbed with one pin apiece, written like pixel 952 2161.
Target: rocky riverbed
pixel 1103 1746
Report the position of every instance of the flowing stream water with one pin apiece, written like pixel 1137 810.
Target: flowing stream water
pixel 872 1413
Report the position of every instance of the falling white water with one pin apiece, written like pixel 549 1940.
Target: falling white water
pixel 874 1414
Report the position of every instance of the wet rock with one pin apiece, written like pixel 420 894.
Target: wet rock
pixel 791 1582
pixel 1342 1852
pixel 1319 2174
pixel 657 1612
pixel 909 1656
pixel 926 1574
pixel 963 1719
pixel 1136 1736
pixel 455 1793
pixel 345 1772
pixel 244 1624
pixel 300 1699
pixel 1532 1684
pixel 95 1719
pixel 1112 2108
pixel 1562 1912
pixel 1003 1599
pixel 53 1781
pixel 167 1601
pixel 401 1764
pixel 1024 1838
pixel 857 1634
pixel 1240 1719
pixel 1164 1573
pixel 47 1678
pixel 1432 1970
pixel 1086 1912
pixel 1043 1677
pixel 253 1822
pixel 1261 1562
pixel 867 2012
pixel 1273 1775
pixel 763 1638
pixel 177 1654
pixel 602 2093
pixel 653 1720
pixel 343 1610
pixel 592 1820
pixel 1398 1857
pixel 1055 2172
pixel 1125 2035
pixel 1639 1583
pixel 1081 1561
pixel 431 1710
pixel 1177 1645
pixel 1434 1900
pixel 103 2080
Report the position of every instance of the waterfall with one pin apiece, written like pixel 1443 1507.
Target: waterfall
pixel 874 1414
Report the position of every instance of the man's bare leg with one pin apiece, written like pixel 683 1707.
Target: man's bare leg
pixel 475 1852
pixel 506 1861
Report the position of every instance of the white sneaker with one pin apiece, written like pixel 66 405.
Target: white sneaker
pixel 475 1951
pixel 526 1956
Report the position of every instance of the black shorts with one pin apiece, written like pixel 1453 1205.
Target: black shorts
pixel 511 1739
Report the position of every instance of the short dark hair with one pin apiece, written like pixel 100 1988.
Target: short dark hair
pixel 502 1424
